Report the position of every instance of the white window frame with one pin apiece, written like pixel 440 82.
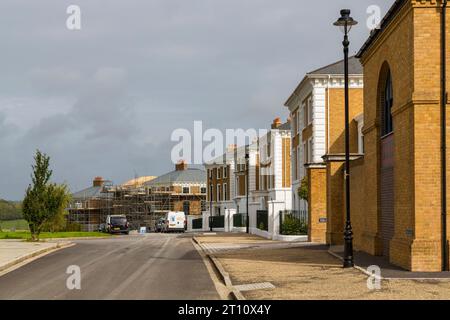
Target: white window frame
pixel 305 153
pixel 225 172
pixel 219 198
pixel 310 151
pixel 225 192
pixel 189 190
pixel 309 103
pixel 360 122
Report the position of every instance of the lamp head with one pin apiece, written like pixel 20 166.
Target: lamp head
pixel 345 21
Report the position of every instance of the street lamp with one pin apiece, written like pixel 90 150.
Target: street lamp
pixel 247 160
pixel 345 23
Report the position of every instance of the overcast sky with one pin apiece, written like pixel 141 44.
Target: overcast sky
pixel 104 100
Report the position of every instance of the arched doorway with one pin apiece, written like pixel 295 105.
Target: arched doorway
pixel 387 165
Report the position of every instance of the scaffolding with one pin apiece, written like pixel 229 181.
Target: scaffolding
pixel 142 205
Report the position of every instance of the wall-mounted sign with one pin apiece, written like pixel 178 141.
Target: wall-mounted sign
pixel 323 220
pixel 409 232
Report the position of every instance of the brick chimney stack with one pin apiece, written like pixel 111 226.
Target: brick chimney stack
pixel 98 182
pixel 276 123
pixel 181 166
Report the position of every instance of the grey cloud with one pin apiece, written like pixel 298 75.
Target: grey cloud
pixel 104 100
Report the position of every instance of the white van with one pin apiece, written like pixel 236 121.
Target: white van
pixel 175 222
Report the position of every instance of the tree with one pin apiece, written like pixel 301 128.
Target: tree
pixel 43 200
pixel 303 189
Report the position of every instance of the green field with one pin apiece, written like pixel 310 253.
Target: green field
pixel 14 224
pixel 51 235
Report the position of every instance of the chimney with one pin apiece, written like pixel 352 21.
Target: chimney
pixel 181 166
pixel 276 123
pixel 98 182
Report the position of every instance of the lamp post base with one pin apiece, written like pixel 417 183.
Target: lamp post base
pixel 348 246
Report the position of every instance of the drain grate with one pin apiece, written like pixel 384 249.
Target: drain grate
pixel 255 286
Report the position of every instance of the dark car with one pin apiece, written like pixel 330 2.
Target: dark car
pixel 117 224
pixel 160 225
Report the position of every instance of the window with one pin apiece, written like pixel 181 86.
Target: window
pixel 305 153
pixel 225 192
pixel 310 110
pixel 360 123
pixel 305 114
pixel 186 190
pixel 219 193
pixel 209 173
pixel 203 190
pixel 307 111
pixel 388 101
pixel 225 172
pixel 186 207
pixel 310 151
pixel 298 121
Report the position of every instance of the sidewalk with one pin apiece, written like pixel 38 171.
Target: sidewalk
pixel 13 252
pixel 306 271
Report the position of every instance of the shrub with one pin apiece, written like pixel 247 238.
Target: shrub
pixel 293 226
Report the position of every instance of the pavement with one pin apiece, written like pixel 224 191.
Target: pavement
pixel 141 267
pixel 13 252
pixel 261 270
pixel 388 271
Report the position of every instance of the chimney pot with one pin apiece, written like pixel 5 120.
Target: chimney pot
pixel 181 166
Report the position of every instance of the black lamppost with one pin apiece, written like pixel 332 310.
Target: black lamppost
pixel 247 160
pixel 345 22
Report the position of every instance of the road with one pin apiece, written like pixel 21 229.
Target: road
pixel 154 266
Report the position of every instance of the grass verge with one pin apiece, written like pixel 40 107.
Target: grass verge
pixel 51 235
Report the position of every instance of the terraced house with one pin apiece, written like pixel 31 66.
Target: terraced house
pixel 317 123
pixel 221 182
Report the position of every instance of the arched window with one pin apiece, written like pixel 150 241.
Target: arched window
pixel 388 101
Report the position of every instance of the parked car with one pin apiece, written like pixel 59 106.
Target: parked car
pixel 117 224
pixel 102 227
pixel 160 225
pixel 175 222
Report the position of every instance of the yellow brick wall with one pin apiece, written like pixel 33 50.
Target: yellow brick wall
pixel 335 203
pixel 317 205
pixel 411 48
pixel 337 121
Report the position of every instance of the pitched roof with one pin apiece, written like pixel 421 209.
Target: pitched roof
pixel 190 175
pixel 138 181
pixel 285 126
pixel 88 193
pixel 398 4
pixel 337 68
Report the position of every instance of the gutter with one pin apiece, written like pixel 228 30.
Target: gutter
pixel 444 253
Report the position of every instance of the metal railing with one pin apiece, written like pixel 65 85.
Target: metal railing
pixel 217 222
pixel 294 222
pixel 240 220
pixel 197 223
pixel 262 220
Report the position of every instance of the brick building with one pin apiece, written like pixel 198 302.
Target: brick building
pixel 317 123
pixel 396 185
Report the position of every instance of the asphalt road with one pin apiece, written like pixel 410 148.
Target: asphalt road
pixel 155 266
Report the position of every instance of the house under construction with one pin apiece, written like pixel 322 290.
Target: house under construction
pixel 143 200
